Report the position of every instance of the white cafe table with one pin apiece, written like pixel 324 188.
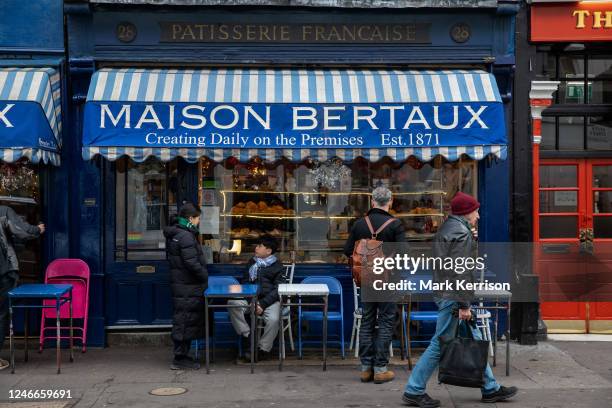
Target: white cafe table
pixel 299 290
pixel 499 297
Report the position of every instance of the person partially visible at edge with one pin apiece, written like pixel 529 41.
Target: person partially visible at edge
pixel 378 319
pixel 265 270
pixel 189 280
pixel 454 239
pixel 12 227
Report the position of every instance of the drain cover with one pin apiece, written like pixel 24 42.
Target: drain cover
pixel 168 392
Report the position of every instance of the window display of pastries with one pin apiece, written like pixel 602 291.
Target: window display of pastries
pixel 251 207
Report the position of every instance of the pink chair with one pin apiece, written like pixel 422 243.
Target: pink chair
pixel 76 273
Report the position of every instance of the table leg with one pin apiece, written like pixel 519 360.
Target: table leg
pixel 508 341
pixel 206 333
pixel 71 331
pixel 11 335
pixel 325 333
pixel 25 333
pixel 253 329
pixel 57 335
pixel 281 335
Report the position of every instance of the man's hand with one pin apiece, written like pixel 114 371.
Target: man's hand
pixel 259 310
pixel 42 228
pixel 465 314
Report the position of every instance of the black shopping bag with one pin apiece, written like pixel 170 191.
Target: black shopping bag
pixel 462 360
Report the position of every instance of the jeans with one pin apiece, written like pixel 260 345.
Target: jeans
pixel 270 317
pixel 8 281
pixel 431 357
pixel 373 342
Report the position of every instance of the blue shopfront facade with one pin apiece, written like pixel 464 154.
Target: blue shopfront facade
pixel 175 83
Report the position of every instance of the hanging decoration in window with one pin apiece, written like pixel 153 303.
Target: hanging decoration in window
pixel 18 180
pixel 329 173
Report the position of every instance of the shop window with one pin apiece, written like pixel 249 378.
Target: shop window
pixel 145 201
pixel 571 66
pixel 600 66
pixel 20 190
pixel 310 206
pixel 558 176
pixel 546 66
pixel 571 133
pixel 559 226
pixel 600 92
pixel 599 132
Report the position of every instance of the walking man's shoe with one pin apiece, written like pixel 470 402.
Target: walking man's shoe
pixel 367 376
pixel 502 394
pixel 184 363
pixel 421 401
pixel 383 377
pixel 3 364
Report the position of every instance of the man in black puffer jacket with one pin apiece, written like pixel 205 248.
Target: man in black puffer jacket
pixel 189 280
pixel 373 343
pixel 267 272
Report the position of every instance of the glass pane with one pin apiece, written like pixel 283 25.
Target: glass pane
pixel 548 133
pixel 600 67
pixel 558 201
pixel 602 176
pixel 545 66
pixel 602 227
pixel 144 202
pixel 559 176
pixel 571 133
pixel 559 227
pixel 599 133
pixel 571 66
pixel 600 92
pixel 19 181
pixel 570 92
pixel 602 202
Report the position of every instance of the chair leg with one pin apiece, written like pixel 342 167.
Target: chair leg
pixel 342 338
pixel 300 356
pixel 353 333
pixel 488 331
pixel 357 337
pixel 408 345
pixel 391 349
pixel 290 334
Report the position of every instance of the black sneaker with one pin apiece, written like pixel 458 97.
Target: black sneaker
pixel 184 364
pixel 421 401
pixel 265 355
pixel 502 394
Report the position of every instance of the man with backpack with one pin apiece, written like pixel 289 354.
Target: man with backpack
pixel 378 318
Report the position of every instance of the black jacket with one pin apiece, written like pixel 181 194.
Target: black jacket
pixel 268 279
pixel 189 280
pixel 12 226
pixel 393 233
pixel 454 239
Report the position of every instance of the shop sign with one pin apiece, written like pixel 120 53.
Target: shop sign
pixel 24 124
pixel 309 126
pixel 580 21
pixel 574 92
pixel 294 33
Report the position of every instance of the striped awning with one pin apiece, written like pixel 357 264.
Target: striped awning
pixel 323 87
pixel 31 122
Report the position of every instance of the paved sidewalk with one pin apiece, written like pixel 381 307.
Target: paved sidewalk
pixel 552 374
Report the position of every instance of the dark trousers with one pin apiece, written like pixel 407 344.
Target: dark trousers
pixel 376 334
pixel 8 281
pixel 181 348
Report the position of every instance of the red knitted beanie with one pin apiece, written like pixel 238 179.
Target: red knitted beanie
pixel 462 204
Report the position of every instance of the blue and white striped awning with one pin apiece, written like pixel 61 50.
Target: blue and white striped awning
pixel 291 87
pixel 26 93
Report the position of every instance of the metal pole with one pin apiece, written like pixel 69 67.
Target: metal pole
pixel 26 325
pixel 281 345
pixel 253 334
pixel 508 339
pixel 71 331
pixel 58 356
pixel 11 335
pixel 325 332
pixel 206 331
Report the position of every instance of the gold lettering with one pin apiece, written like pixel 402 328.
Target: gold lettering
pixel 176 29
pixel 188 32
pixel 250 32
pixel 581 14
pixel 397 33
pixel 306 32
pixel 319 30
pixel 237 32
pixel 285 33
pixel 361 35
pixel 223 34
pixel 410 32
pixel 200 28
pixel 263 32
pixel 333 32
pixel 348 32
pixel 376 33
pixel 606 19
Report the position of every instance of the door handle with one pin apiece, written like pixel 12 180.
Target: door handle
pixel 556 248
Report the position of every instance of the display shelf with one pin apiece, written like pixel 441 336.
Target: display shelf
pixel 338 193
pixel 409 215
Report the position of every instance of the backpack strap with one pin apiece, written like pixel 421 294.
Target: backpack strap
pixel 380 229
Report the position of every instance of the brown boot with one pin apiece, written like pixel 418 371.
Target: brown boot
pixel 387 376
pixel 367 376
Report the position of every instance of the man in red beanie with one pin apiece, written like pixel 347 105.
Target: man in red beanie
pixel 454 240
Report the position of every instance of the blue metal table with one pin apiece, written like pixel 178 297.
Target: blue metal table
pixel 230 292
pixel 39 292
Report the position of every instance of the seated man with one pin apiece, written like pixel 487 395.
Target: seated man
pixel 267 272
